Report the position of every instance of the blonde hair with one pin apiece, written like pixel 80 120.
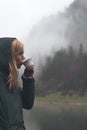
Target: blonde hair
pixel 16 48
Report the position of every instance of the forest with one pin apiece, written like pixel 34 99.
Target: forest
pixel 64 73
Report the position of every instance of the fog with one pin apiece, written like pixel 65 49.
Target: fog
pixel 58 31
pixel 77 31
pixel 44 30
pixel 47 36
pixel 17 17
pixel 39 24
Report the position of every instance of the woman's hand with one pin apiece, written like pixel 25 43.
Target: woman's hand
pixel 28 72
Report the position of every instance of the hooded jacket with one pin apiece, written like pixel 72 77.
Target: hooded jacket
pixel 13 102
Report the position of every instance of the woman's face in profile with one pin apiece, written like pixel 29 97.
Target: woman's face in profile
pixel 19 59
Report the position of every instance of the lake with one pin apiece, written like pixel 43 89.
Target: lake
pixel 56 116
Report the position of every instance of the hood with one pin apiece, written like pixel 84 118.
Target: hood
pixel 5 53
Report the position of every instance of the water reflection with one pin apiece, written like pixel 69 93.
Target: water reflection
pixel 53 116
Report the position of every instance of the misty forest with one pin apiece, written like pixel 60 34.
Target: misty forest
pixel 66 70
pixel 61 76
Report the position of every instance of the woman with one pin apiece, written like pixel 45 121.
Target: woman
pixel 12 97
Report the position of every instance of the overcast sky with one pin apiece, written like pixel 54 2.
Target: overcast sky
pixel 17 17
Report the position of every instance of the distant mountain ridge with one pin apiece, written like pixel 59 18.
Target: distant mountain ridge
pixel 77 27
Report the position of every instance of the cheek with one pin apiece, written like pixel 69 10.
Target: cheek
pixel 17 59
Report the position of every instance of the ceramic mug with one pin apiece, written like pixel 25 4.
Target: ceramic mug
pixel 28 63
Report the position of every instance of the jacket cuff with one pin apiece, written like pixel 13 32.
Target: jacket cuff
pixel 26 77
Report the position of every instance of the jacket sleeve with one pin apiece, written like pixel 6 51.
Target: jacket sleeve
pixel 28 92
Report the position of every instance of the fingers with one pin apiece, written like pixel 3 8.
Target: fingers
pixel 28 72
